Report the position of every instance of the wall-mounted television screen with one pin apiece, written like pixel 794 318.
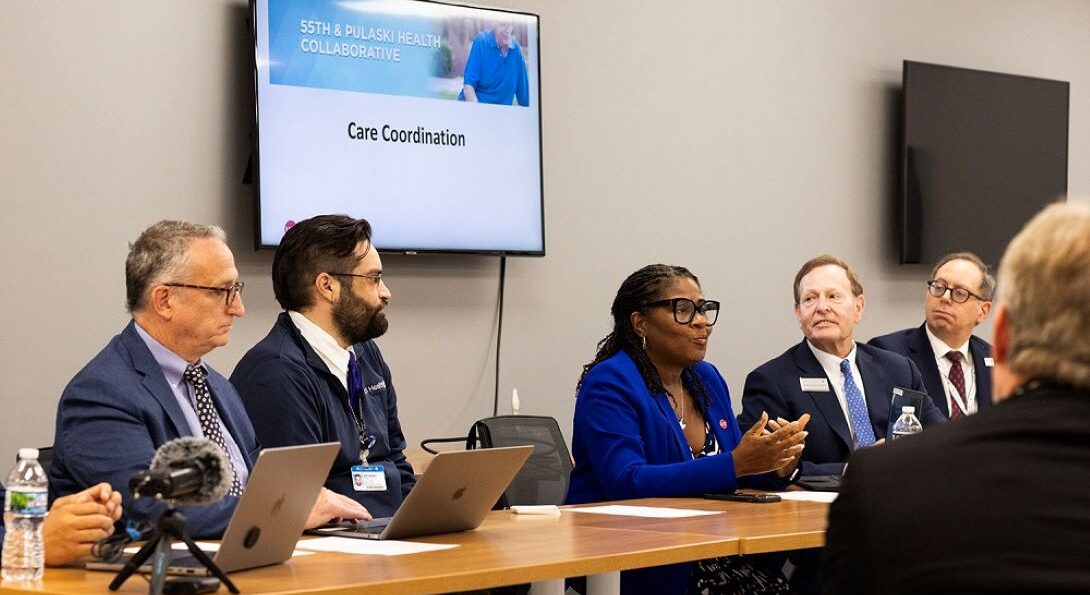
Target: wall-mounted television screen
pixel 983 152
pixel 422 117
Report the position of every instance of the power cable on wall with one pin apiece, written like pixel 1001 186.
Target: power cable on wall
pixel 425 444
pixel 499 334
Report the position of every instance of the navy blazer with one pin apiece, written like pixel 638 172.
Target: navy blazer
pixel 117 411
pixel 292 398
pixel 914 344
pixel 627 444
pixel 775 387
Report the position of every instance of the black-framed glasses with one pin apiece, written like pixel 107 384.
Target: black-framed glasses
pixel 685 309
pixel 231 290
pixel 958 294
pixel 376 277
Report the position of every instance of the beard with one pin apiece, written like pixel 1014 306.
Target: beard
pixel 356 321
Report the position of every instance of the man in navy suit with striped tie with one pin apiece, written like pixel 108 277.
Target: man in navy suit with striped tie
pixel 956 366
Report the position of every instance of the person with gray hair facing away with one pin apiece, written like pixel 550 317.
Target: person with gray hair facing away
pixel 956 366
pixel 997 502
pixel 150 385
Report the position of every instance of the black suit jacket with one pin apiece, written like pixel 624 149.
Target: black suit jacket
pixel 996 503
pixel 775 387
pixel 914 344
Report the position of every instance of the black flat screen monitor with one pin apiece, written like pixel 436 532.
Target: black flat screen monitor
pixel 422 117
pixel 983 152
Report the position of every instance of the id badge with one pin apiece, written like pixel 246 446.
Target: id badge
pixel 371 478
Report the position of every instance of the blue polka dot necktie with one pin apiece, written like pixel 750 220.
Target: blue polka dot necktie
pixel 857 408
pixel 209 419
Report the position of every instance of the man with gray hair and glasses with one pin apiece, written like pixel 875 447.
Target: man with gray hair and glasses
pixel 149 385
pixel 996 503
pixel 956 366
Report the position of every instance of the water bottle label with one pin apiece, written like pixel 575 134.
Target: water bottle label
pixel 34 503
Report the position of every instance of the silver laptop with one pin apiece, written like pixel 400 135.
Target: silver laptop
pixel 455 494
pixel 270 515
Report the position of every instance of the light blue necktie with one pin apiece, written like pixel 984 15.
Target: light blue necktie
pixel 857 408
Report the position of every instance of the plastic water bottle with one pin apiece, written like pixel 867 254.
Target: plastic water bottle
pixel 25 506
pixel 907 424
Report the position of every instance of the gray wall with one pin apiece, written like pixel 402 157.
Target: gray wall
pixel 737 138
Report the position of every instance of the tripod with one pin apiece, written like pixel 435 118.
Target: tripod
pixel 171 526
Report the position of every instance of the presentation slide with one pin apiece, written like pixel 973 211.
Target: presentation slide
pixel 421 117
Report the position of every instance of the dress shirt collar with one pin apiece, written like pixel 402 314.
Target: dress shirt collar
pixel 172 364
pixel 941 348
pixel 327 348
pixel 829 361
pixel 831 365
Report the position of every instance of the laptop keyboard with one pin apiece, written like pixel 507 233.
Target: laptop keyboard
pixel 371 527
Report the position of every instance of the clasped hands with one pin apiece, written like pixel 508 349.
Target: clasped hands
pixel 771 445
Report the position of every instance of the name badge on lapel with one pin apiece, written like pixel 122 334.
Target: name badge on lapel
pixel 814 385
pixel 989 362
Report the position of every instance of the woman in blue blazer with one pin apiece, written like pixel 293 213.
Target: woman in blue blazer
pixel 653 419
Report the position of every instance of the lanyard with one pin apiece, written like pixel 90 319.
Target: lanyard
pixel 952 391
pixel 355 385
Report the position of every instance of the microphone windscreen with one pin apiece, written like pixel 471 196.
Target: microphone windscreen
pixel 205 456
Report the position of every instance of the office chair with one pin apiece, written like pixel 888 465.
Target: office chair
pixel 544 477
pixel 45 458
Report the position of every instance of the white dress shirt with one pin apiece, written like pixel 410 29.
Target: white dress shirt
pixel 831 364
pixel 968 405
pixel 327 348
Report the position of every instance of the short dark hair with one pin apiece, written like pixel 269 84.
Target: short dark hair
pixel 823 260
pixel 987 280
pixel 322 244
pixel 161 252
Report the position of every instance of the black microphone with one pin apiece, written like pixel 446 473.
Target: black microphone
pixel 188 470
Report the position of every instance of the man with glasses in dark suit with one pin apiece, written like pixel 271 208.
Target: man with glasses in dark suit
pixel 956 366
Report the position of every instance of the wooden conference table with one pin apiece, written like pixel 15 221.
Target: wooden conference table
pixel 513 549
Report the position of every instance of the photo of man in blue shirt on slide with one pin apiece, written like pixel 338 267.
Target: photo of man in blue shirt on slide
pixel 495 71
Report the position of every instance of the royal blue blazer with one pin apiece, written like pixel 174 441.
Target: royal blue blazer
pixel 627 444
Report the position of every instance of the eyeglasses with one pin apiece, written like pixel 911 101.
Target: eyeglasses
pixel 231 290
pixel 376 277
pixel 685 309
pixel 960 295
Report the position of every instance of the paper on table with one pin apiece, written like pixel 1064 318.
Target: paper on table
pixel 348 545
pixel 209 547
pixel 822 497
pixel 653 512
